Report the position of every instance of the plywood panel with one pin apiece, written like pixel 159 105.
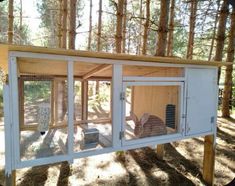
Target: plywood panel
pixel 4 50
pixel 129 70
pixel 153 99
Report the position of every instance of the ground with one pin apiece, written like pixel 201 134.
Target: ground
pixel 182 165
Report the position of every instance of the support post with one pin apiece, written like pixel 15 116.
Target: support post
pixel 10 174
pixel 10 179
pixel 209 159
pixel 84 99
pixel 160 151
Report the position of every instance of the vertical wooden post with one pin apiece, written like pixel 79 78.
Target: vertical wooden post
pixel 56 92
pixel 209 159
pixel 52 102
pixel 84 99
pixel 160 151
pixel 21 100
pixel 10 179
pixel 9 172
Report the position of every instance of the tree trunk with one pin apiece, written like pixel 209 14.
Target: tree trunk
pixel 229 69
pixel 60 24
pixel 146 28
pixel 193 15
pixel 171 29
pixel 10 21
pixel 140 28
pixel 64 24
pixel 118 36
pixel 161 47
pixel 72 24
pixel 90 27
pixel 221 33
pixel 99 26
pixel 124 27
pixel 214 31
pixel 163 28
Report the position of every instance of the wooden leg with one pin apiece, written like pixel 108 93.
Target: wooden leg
pixel 209 159
pixel 160 151
pixel 10 179
pixel 84 100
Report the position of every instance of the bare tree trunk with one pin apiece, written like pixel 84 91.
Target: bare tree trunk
pixel 140 28
pixel 64 24
pixel 161 47
pixel 10 21
pixel 192 29
pixel 171 29
pixel 99 26
pixel 214 31
pixel 129 41
pixel 163 28
pixel 224 11
pixel 60 24
pixel 229 69
pixel 72 24
pixel 118 36
pixel 146 28
pixel 90 27
pixel 124 27
pixel 21 21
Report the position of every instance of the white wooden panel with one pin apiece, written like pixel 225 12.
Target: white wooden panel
pixel 70 109
pixel 116 104
pixel 201 100
pixel 8 130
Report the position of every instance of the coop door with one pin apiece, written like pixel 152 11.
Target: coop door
pixel 201 100
pixel 151 110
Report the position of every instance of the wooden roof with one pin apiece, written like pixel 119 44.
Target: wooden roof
pixel 4 49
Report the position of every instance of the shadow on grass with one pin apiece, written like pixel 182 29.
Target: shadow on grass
pixel 132 177
pixel 35 176
pixel 2 177
pixel 147 160
pixel 65 172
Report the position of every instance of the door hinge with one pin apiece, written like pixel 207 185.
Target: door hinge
pixel 121 135
pixel 183 115
pixel 212 119
pixel 122 96
pixel 182 131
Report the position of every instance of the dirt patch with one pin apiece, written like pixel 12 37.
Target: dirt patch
pixel 182 165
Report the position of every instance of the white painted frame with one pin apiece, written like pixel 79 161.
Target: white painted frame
pixel 155 138
pixel 12 130
pixel 215 97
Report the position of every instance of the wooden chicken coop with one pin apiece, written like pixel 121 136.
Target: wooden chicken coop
pixel 65 104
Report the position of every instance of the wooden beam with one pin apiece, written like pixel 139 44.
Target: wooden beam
pixel 209 159
pixel 10 179
pixel 160 151
pixel 84 100
pixel 53 101
pixel 21 100
pixel 33 127
pixel 100 68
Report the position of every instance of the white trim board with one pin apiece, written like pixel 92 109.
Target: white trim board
pixel 100 60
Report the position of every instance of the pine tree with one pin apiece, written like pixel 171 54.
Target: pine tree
pixel 163 28
pixel 146 27
pixel 10 21
pixel 119 14
pixel 193 15
pixel 229 69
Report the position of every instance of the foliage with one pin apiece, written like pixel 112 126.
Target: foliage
pixel 21 33
pixel 34 90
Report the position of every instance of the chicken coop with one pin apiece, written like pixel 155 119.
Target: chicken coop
pixel 65 104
